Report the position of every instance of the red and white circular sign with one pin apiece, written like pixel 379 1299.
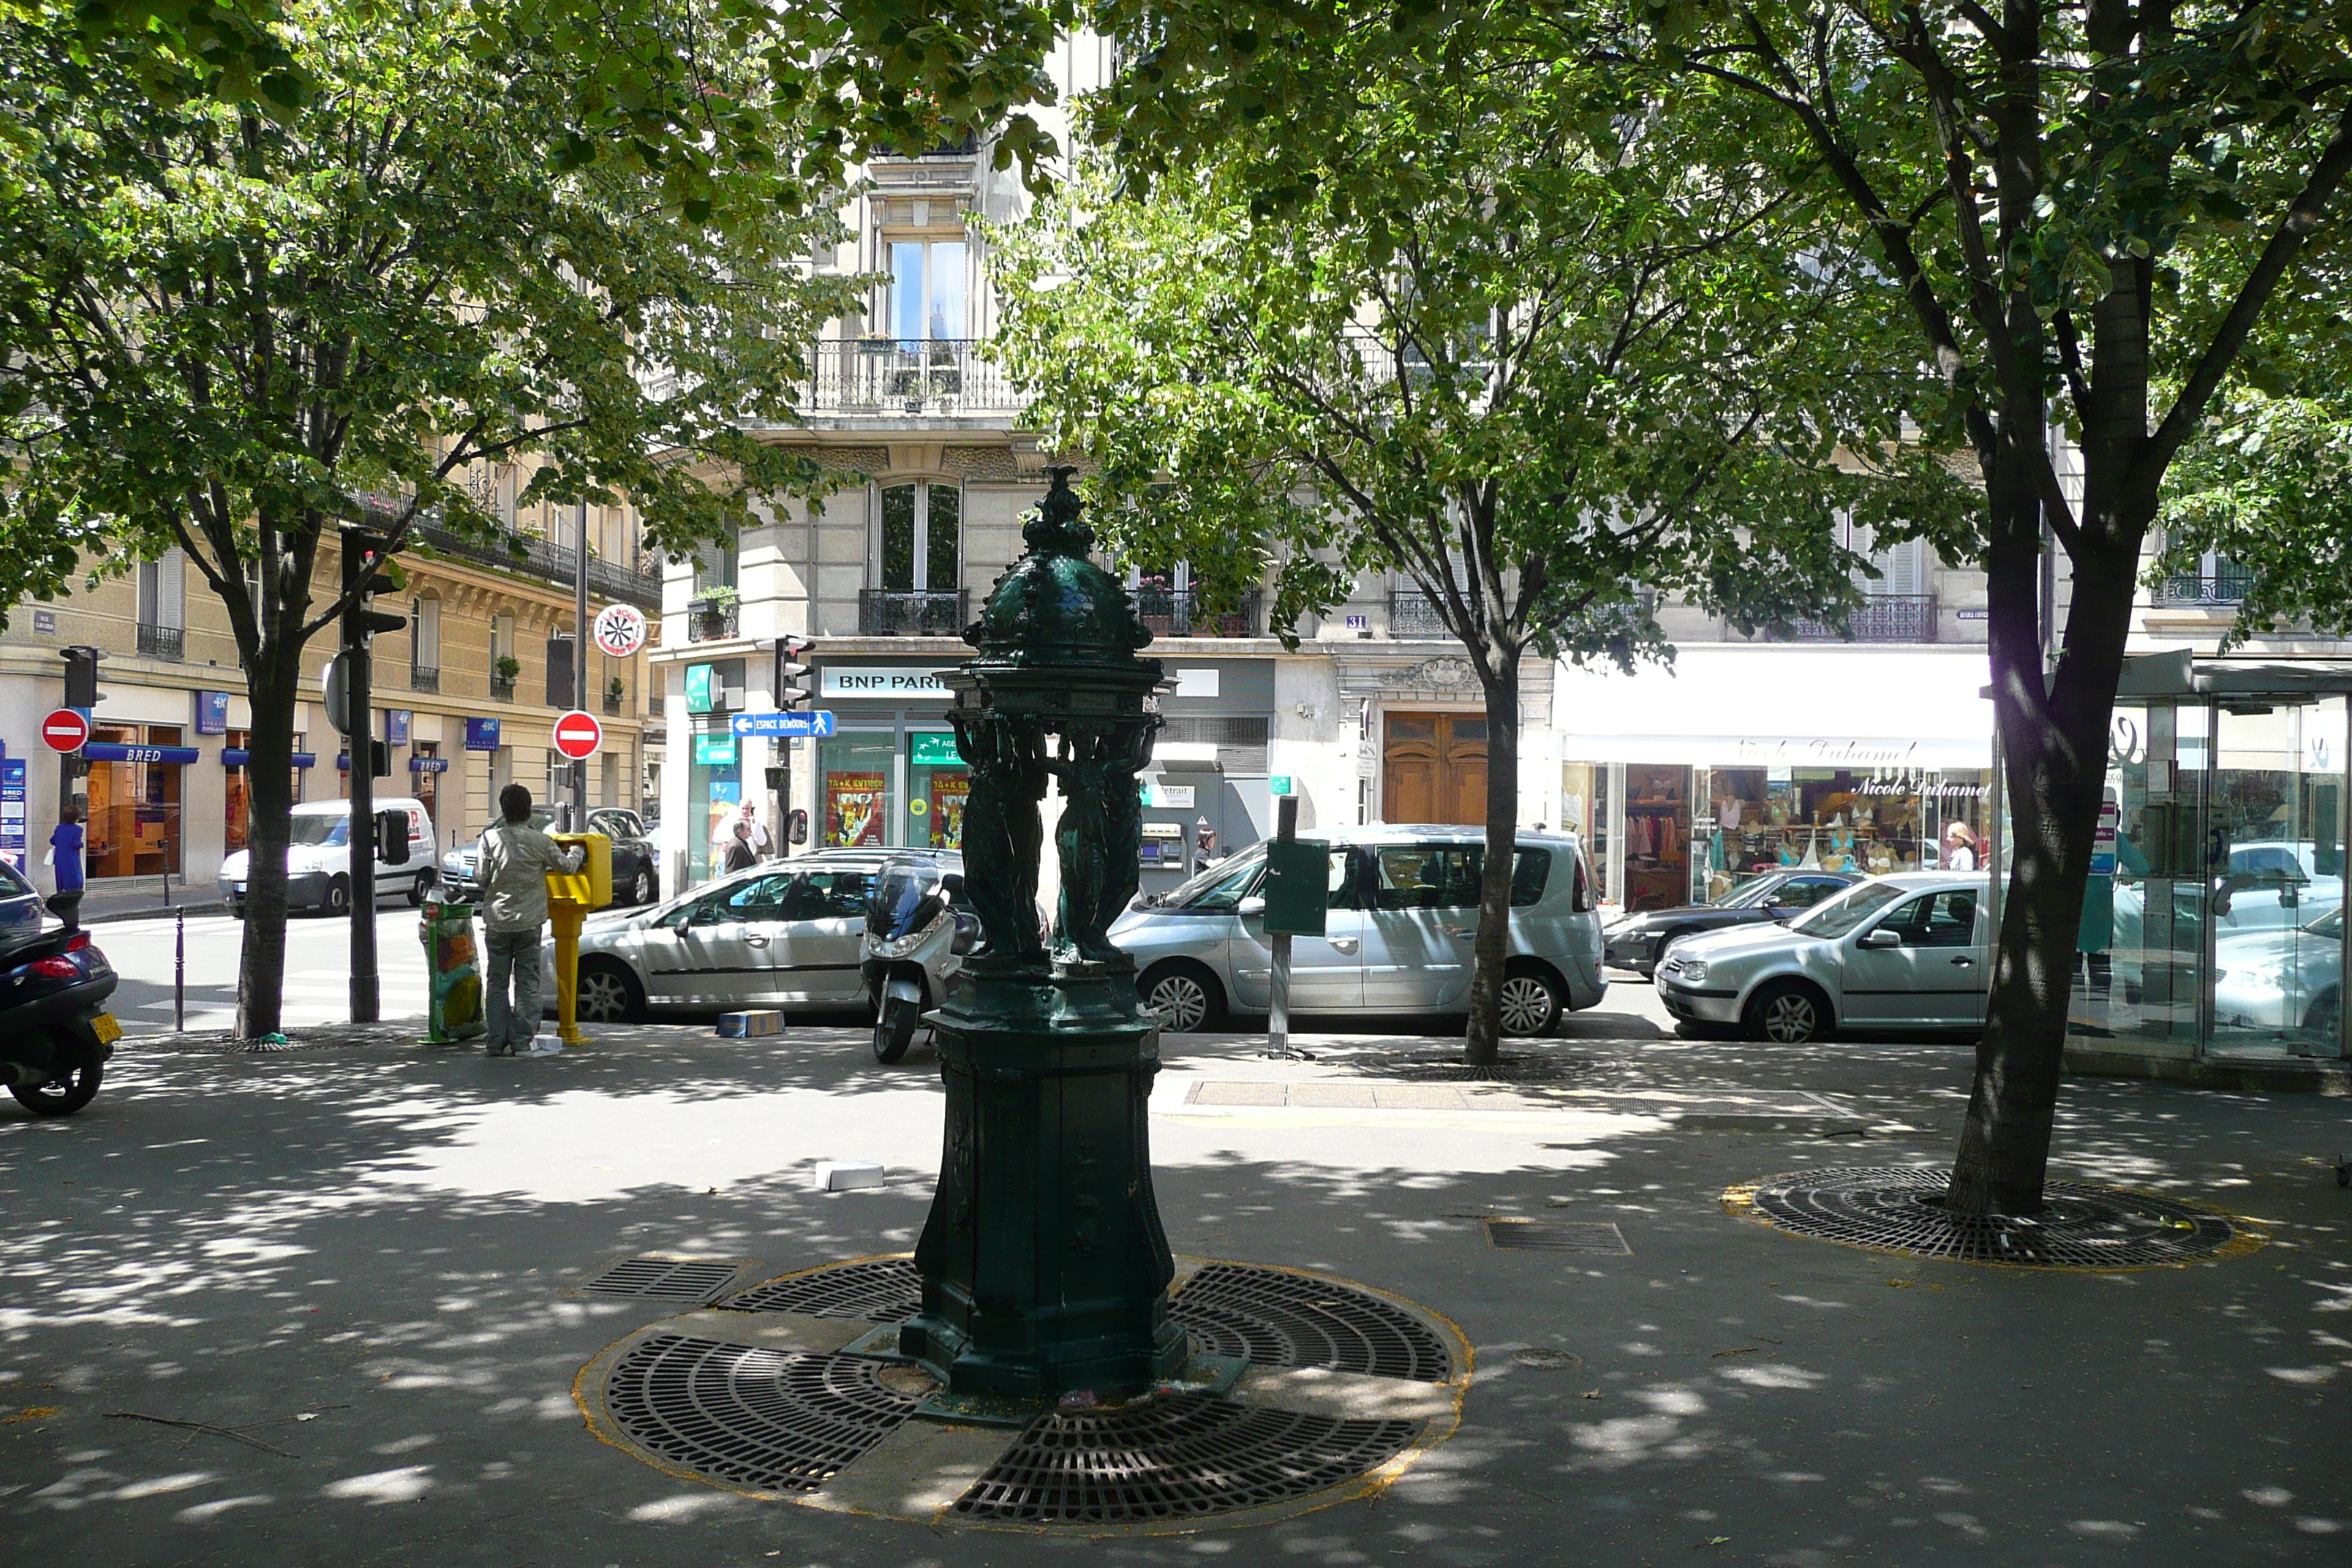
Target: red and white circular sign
pixel 65 730
pixel 577 734
pixel 620 630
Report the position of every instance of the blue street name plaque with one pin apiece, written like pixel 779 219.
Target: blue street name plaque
pixel 818 723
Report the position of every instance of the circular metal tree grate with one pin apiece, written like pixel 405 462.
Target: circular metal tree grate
pixel 1270 1318
pixel 879 1289
pixel 1174 1457
pixel 1510 1067
pixel 2080 1226
pixel 770 1419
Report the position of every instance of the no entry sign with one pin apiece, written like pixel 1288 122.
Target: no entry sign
pixel 577 734
pixel 64 731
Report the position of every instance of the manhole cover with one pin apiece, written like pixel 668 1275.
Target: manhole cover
pixel 1510 1067
pixel 1558 1236
pixel 1179 1456
pixel 2080 1226
pixel 1271 1317
pixel 879 1289
pixel 770 1419
pixel 665 1279
pixel 1546 1359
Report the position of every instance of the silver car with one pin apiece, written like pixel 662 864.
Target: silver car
pixel 1905 952
pixel 1403 917
pixel 782 933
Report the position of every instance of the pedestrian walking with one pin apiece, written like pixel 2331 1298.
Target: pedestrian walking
pixel 1959 847
pixel 65 863
pixel 515 860
pixel 740 854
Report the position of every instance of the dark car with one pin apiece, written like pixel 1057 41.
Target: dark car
pixel 635 877
pixel 1637 942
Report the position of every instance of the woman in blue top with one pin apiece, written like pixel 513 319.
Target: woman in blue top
pixel 65 861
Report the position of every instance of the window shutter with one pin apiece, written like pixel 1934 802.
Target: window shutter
pixel 173 608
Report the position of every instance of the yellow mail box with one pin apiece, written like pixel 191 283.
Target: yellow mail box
pixel 591 886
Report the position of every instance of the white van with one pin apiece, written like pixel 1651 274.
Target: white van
pixel 319 858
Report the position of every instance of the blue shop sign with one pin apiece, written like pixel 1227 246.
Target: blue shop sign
pixel 428 764
pixel 212 712
pixel 395 726
pixel 109 751
pixel 237 757
pixel 481 734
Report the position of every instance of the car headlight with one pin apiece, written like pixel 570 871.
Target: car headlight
pixel 1693 970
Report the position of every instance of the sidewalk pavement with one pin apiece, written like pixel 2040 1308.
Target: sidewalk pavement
pixel 358 1254
pixel 143 897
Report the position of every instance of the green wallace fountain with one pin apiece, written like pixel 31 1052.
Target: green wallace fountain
pixel 1044 1268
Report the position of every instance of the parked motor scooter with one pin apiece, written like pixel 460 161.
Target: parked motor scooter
pixel 918 925
pixel 56 1034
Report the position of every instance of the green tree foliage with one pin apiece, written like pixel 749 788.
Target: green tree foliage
pixel 2077 207
pixel 1518 336
pixel 231 327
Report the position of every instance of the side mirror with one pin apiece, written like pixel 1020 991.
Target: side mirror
pixel 1253 905
pixel 1879 936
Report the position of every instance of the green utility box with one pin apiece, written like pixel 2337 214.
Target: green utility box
pixel 1297 886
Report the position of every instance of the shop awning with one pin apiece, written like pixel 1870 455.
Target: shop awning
pixel 237 757
pixel 1782 705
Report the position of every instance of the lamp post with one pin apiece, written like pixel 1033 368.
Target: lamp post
pixel 1044 1267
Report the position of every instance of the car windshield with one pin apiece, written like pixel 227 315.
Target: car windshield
pixel 2329 925
pixel 1848 909
pixel 1221 886
pixel 315 829
pixel 1749 891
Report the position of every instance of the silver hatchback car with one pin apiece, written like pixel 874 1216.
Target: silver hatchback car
pixel 1403 916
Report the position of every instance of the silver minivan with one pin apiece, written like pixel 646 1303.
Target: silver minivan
pixel 1403 920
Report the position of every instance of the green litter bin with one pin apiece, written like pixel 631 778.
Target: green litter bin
pixel 453 969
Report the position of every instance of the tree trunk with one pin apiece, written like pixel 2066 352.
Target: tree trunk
pixel 272 685
pixel 1483 1041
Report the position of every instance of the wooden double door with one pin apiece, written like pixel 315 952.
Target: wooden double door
pixel 1434 768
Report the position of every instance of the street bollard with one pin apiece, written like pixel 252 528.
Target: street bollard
pixel 569 900
pixel 179 973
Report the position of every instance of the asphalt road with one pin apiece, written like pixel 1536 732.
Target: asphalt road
pixel 318 969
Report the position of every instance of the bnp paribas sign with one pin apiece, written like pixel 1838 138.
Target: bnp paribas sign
pixel 878 680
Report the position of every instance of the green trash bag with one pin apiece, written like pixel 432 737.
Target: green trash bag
pixel 453 968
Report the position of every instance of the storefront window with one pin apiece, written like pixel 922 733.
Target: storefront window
pixel 428 785
pixel 854 790
pixel 134 805
pixel 936 785
pixel 714 790
pixel 237 814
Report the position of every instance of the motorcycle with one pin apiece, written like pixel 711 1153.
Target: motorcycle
pixel 918 925
pixel 56 1034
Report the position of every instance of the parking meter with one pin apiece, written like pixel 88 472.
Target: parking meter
pixel 570 897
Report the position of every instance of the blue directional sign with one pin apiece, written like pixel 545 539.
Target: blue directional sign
pixel 818 722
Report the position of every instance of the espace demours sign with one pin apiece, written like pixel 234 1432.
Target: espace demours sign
pixel 883 681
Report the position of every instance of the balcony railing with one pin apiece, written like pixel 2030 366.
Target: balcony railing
pixel 886 613
pixel 1412 614
pixel 2227 587
pixel 1881 618
pixel 893 375
pixel 611 704
pixel 1183 613
pixel 163 642
pixel 423 677
pixel 707 622
pixel 502 687
pixel 554 563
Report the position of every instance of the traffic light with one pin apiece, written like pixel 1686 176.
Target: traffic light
pixel 365 559
pixel 795 681
pixel 391 836
pixel 81 676
pixel 379 760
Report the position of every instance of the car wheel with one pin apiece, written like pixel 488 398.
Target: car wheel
pixel 337 899
pixel 1188 993
pixel 645 889
pixel 608 993
pixel 1531 1002
pixel 2323 1020
pixel 418 888
pixel 1787 1013
pixel 62 1096
pixel 236 908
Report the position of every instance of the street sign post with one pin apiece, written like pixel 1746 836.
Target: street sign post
pixel 818 723
pixel 65 730
pixel 577 736
pixel 620 630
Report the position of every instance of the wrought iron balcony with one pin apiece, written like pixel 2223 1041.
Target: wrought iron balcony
pixel 887 613
pixel 502 687
pixel 558 564
pixel 423 677
pixel 611 705
pixel 1412 614
pixel 169 643
pixel 1881 618
pixel 898 375
pixel 2226 586
pixel 1184 613
pixel 709 621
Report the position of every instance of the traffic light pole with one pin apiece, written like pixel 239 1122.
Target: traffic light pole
pixel 580 668
pixel 359 740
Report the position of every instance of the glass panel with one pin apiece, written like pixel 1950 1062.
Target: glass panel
pixel 854 790
pixel 943 539
pixel 2273 838
pixel 944 315
pixel 906 288
pixel 899 539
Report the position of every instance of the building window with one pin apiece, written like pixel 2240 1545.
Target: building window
pixel 162 605
pixel 714 568
pixel 926 288
pixel 425 644
pixel 923 538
